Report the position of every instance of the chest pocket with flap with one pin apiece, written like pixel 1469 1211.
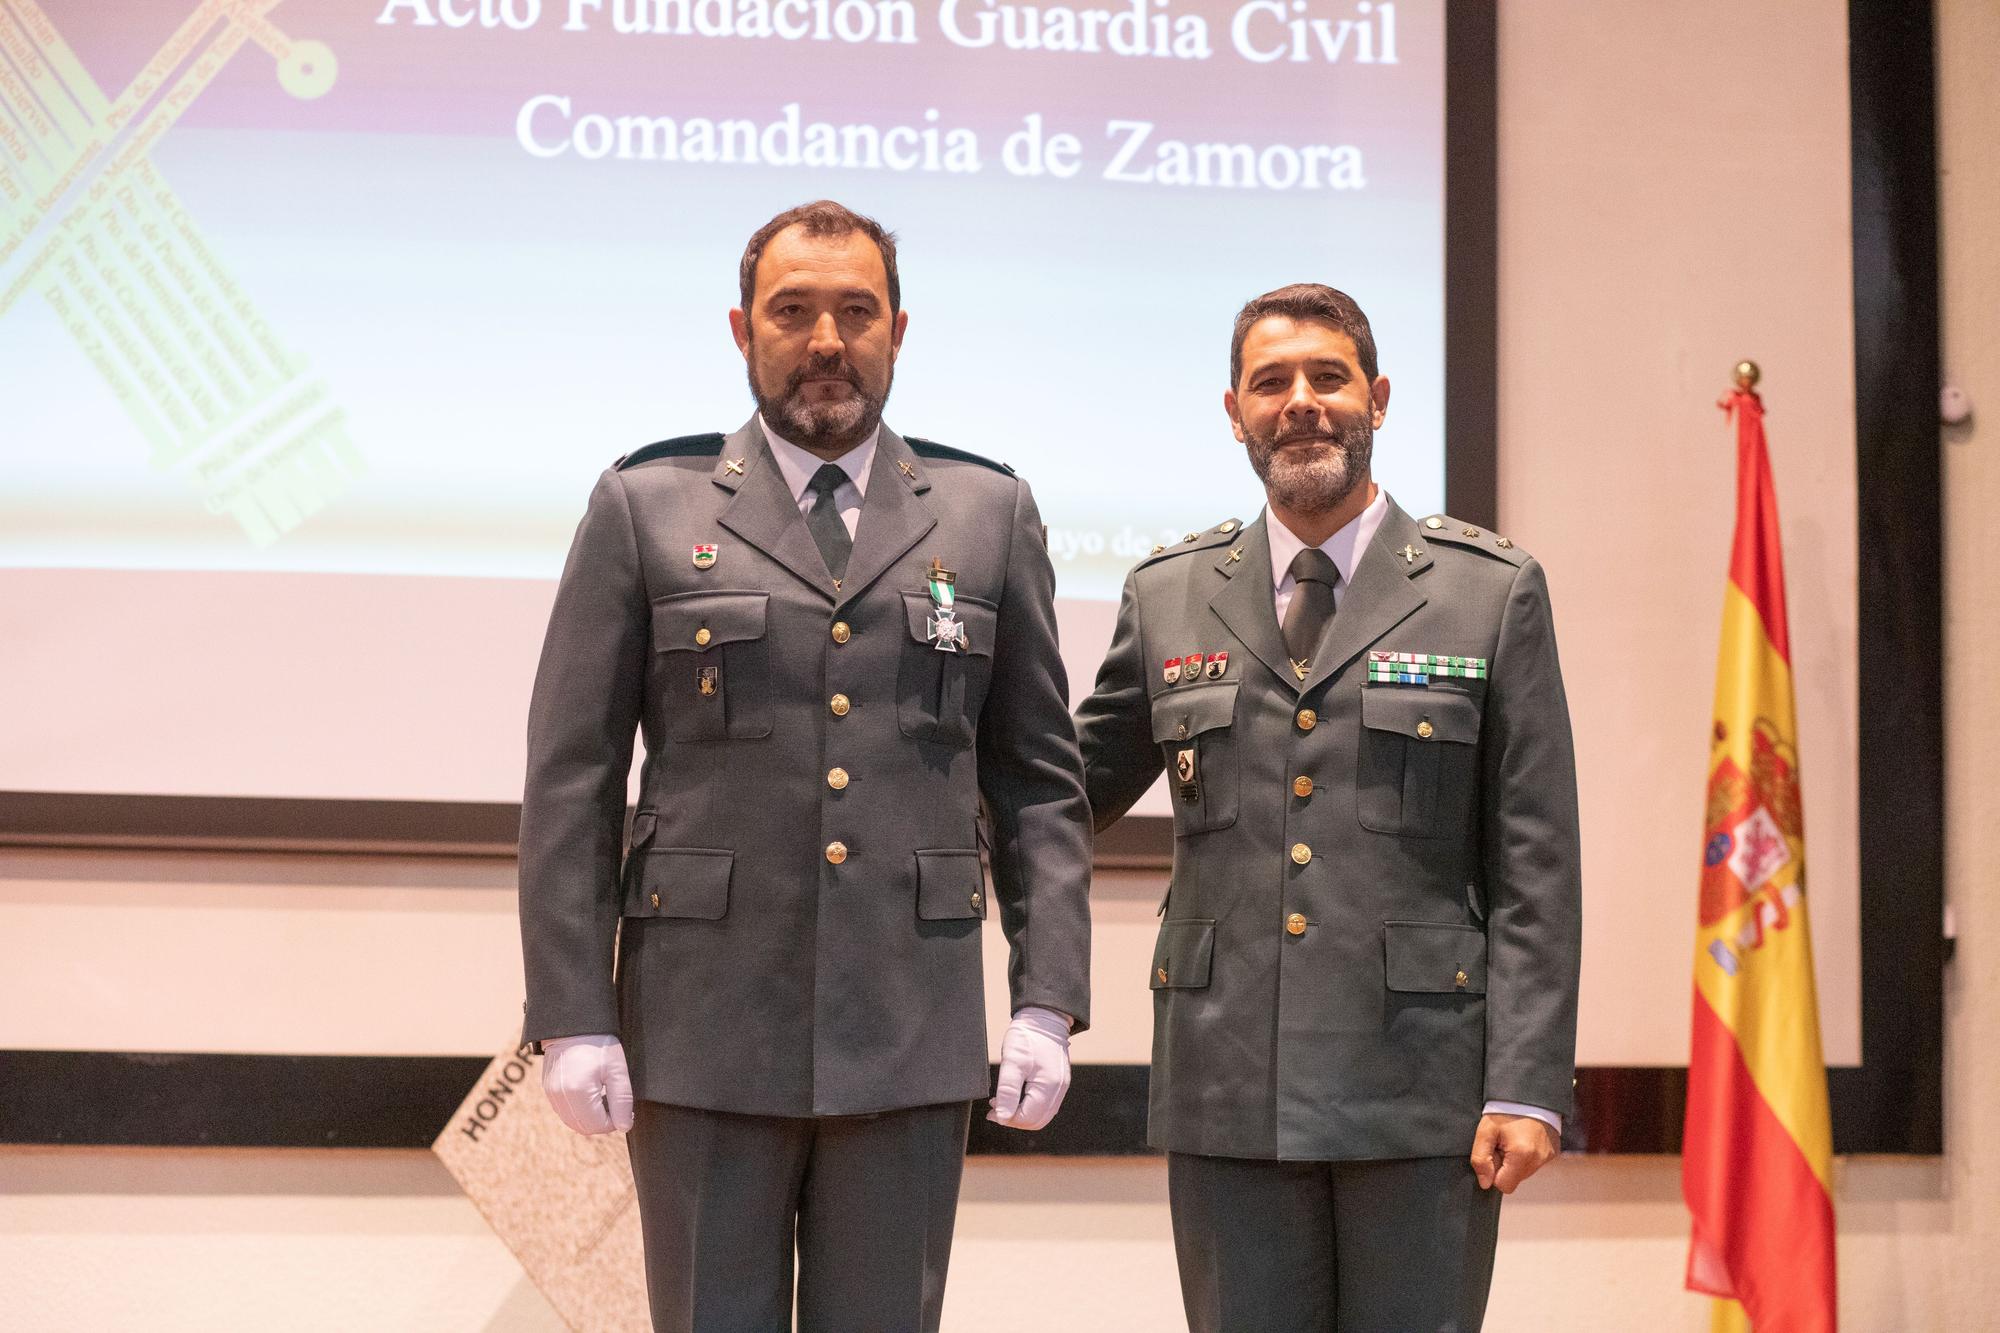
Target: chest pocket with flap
pixel 712 665
pixel 1193 726
pixel 1418 761
pixel 939 695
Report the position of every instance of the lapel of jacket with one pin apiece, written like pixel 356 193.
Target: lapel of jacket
pixel 762 509
pixel 1382 595
pixel 1246 603
pixel 893 518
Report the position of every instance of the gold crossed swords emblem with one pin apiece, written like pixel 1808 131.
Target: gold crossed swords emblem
pixel 88 223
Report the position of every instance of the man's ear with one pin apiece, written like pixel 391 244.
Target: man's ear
pixel 1235 421
pixel 896 332
pixel 1378 392
pixel 739 329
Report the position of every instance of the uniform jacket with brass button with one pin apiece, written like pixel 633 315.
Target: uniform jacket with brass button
pixel 1349 969
pixel 760 968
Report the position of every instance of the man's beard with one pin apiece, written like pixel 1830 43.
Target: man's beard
pixel 822 425
pixel 1312 483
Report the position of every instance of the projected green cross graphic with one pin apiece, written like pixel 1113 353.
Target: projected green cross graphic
pixel 92 227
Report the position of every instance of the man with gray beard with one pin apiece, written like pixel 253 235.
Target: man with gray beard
pixel 1367 962
pixel 839 646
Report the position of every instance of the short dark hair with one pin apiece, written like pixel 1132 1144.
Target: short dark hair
pixel 1305 301
pixel 822 217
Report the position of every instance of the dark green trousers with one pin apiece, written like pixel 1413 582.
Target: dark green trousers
pixel 865 1203
pixel 1403 1246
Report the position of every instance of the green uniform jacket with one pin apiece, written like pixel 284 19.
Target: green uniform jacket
pixel 1373 923
pixel 798 915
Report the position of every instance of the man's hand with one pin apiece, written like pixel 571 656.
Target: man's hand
pixel 587 1083
pixel 1510 1148
pixel 1034 1069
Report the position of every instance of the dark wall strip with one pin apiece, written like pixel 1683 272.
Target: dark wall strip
pixel 1472 261
pixel 1892 78
pixel 106 1098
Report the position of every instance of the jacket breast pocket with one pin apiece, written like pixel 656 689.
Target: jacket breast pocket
pixel 1419 758
pixel 1194 728
pixel 713 659
pixel 939 694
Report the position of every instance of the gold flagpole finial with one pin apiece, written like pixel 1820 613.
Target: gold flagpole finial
pixel 1746 374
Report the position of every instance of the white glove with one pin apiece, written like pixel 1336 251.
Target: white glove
pixel 1034 1069
pixel 587 1083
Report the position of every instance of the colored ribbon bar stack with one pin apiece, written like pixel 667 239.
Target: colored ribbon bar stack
pixel 1421 668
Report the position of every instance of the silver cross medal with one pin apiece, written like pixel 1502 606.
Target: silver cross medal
pixel 946 631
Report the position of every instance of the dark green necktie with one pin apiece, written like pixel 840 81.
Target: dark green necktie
pixel 824 522
pixel 1306 619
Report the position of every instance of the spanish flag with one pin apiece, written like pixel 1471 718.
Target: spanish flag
pixel 1757 1156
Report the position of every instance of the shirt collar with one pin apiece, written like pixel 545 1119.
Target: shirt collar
pixel 1344 547
pixel 798 466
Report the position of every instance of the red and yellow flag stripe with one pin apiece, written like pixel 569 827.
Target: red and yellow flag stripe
pixel 1757 1155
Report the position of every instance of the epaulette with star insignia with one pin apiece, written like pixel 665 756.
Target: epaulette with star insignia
pixel 1195 541
pixel 1445 528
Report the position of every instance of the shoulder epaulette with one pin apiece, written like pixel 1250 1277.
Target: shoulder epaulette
pixel 1218 535
pixel 684 446
pixel 932 449
pixel 1445 528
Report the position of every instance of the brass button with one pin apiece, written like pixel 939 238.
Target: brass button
pixel 1162 975
pixel 1425 730
pixel 1302 786
pixel 836 778
pixel 1301 853
pixel 1433 523
pixel 702 636
pixel 1307 719
pixel 1295 924
pixel 976 900
pixel 656 900
pixel 841 633
pixel 1227 528
pixel 836 852
pixel 1461 979
pixel 839 704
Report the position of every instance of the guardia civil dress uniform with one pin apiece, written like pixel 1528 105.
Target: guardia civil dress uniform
pixel 797 979
pixel 1372 926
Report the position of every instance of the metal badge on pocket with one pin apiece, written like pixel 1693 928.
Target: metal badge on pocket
pixel 708 680
pixel 1184 768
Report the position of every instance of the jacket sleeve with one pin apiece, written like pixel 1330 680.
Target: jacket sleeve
pixel 1032 782
pixel 1532 859
pixel 581 724
pixel 1114 726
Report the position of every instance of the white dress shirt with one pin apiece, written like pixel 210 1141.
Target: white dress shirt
pixel 797 467
pixel 1344 548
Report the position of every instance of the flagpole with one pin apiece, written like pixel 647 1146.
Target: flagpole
pixel 1757 1145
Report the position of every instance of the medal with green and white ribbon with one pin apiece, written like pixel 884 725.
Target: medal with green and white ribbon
pixel 946 632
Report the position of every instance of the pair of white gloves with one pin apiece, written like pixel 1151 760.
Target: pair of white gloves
pixel 589 1085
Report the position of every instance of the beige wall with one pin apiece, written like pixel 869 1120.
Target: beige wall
pixel 308 1240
